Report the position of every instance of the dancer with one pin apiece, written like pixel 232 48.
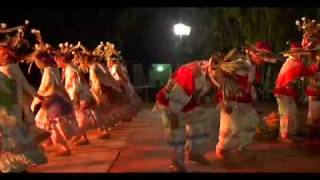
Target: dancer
pixel 56 114
pixel 79 93
pixel 311 42
pixel 238 118
pixel 291 71
pixel 184 121
pixel 99 82
pixel 18 149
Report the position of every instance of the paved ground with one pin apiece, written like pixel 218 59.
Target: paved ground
pixel 138 146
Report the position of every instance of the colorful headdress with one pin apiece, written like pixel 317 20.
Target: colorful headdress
pixel 308 27
pixel 14 42
pixel 227 68
pixel 43 52
pixel 82 57
pixel 66 53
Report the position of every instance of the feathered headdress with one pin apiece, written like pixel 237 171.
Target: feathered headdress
pixel 65 47
pixel 110 51
pixel 82 56
pixel 80 49
pixel 66 52
pixel 310 28
pixel 234 63
pixel 99 50
pixel 42 51
pixel 16 41
pixel 227 68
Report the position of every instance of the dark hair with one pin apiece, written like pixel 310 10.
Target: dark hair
pixel 66 56
pixel 11 54
pixel 46 58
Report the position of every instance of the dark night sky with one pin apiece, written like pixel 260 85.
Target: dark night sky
pixel 147 39
pixel 60 25
pixel 152 41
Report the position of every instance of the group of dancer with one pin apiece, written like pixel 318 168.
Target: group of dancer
pixel 233 78
pixel 79 90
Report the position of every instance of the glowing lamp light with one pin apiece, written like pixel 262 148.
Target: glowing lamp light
pixel 160 68
pixel 181 29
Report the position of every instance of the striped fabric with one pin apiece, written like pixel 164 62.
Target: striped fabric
pixel 186 130
pixel 237 129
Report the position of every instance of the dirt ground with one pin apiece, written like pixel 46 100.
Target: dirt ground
pixel 139 146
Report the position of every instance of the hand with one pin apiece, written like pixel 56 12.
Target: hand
pixel 34 103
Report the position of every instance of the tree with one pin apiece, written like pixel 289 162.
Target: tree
pixel 213 29
pixel 233 27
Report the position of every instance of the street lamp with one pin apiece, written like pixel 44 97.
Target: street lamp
pixel 160 68
pixel 181 30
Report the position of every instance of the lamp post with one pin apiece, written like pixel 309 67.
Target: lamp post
pixel 181 30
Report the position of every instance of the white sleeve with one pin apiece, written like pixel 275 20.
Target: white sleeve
pixel 72 83
pixel 46 81
pixel 177 98
pixel 107 80
pixel 94 81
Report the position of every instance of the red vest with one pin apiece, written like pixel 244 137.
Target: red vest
pixel 285 90
pixel 293 70
pixel 244 96
pixel 311 91
pixel 185 78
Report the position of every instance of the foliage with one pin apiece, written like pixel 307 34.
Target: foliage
pixel 233 27
pixel 218 29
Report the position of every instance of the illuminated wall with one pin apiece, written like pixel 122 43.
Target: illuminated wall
pixel 159 74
